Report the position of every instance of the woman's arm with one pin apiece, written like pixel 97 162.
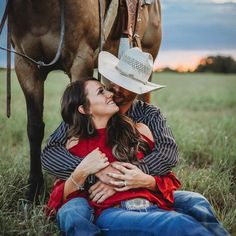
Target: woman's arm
pixel 92 163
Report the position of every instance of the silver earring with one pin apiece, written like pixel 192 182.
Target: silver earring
pixel 90 128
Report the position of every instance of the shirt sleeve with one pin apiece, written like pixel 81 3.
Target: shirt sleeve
pixel 56 159
pixel 56 198
pixel 166 185
pixel 165 153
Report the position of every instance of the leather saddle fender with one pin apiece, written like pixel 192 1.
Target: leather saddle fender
pixel 126 17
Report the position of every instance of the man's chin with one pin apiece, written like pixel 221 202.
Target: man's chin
pixel 118 101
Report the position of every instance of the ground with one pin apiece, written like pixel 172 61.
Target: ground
pixel 200 108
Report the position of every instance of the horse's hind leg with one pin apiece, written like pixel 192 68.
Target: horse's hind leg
pixel 83 62
pixel 32 84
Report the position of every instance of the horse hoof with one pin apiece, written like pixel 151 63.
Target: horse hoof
pixel 34 189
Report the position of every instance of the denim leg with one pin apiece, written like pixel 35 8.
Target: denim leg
pixel 155 221
pixel 198 207
pixel 76 218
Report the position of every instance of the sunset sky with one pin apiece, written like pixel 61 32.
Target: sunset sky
pixel 195 29
pixel 192 29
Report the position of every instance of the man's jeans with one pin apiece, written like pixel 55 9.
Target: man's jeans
pixel 193 216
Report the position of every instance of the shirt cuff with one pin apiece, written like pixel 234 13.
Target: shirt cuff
pixel 91 180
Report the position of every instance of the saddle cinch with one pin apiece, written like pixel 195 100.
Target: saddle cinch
pixel 127 15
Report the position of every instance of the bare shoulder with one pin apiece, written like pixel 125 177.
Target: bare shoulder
pixel 71 142
pixel 144 130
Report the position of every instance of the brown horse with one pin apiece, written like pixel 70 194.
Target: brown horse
pixel 35 31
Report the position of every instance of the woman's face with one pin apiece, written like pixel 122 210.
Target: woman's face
pixel 101 100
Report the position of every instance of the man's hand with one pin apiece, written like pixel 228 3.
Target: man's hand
pixel 131 177
pixel 99 192
pixel 102 174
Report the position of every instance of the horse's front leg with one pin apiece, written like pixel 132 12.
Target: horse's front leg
pixel 32 84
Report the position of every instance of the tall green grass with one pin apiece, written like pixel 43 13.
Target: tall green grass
pixel 201 110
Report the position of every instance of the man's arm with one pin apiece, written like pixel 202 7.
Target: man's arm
pixel 165 153
pixel 55 158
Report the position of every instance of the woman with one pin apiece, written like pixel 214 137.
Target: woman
pixel 100 134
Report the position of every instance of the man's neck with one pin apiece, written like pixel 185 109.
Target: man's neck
pixel 124 108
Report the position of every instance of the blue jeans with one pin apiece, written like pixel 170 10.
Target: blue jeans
pixel 192 216
pixel 197 206
pixel 76 218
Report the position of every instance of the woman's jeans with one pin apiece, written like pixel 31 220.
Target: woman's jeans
pixel 193 216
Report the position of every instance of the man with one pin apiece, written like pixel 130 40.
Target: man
pixel 129 77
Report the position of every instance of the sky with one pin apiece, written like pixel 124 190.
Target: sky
pixel 192 29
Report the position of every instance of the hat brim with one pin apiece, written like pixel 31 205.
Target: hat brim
pixel 107 68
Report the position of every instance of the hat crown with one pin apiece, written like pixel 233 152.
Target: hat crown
pixel 130 72
pixel 136 64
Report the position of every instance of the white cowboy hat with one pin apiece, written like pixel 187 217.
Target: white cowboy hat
pixel 131 72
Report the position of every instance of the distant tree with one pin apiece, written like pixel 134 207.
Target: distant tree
pixel 168 69
pixel 217 64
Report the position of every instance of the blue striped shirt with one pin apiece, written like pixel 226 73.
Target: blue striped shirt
pixel 58 161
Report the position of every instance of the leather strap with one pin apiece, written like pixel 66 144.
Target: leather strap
pixel 8 111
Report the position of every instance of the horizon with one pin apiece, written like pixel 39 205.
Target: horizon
pixel 188 60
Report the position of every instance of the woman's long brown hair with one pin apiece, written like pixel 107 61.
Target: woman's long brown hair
pixel 122 136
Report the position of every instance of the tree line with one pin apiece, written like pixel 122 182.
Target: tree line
pixel 213 64
pixel 217 64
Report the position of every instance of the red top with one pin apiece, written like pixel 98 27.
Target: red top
pixel 163 197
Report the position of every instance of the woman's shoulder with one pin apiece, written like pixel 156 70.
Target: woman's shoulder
pixel 71 142
pixel 144 131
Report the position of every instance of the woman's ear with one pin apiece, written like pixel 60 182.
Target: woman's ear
pixel 81 109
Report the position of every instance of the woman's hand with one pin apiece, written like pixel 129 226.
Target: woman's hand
pixel 100 191
pixel 131 177
pixel 102 174
pixel 93 162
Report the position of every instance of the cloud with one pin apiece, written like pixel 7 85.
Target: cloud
pixel 201 25
pixel 223 1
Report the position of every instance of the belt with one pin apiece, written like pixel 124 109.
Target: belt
pixel 134 204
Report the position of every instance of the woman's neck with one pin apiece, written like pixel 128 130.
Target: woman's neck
pixel 100 123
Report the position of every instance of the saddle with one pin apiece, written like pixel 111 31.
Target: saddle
pixel 125 22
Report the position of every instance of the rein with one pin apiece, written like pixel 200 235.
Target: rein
pixel 8 79
pixel 102 34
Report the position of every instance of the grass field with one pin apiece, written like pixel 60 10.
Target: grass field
pixel 201 110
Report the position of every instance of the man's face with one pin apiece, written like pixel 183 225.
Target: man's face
pixel 121 96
